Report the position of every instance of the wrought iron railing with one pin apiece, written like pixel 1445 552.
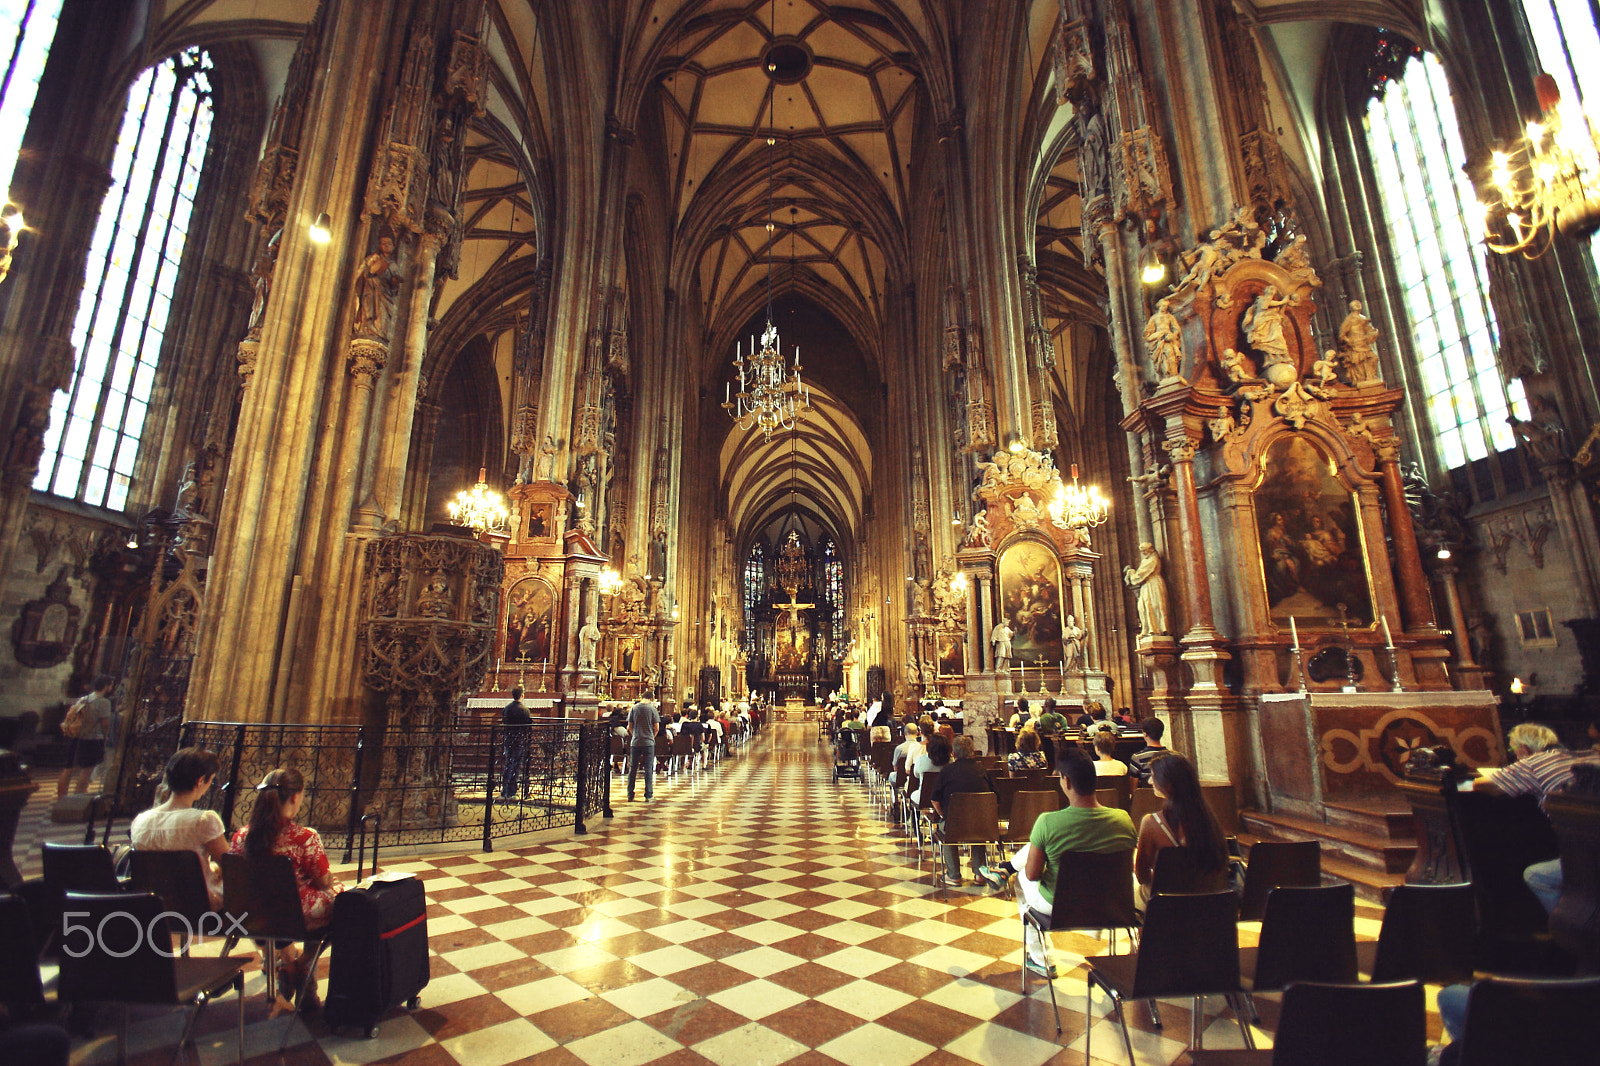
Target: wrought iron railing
pixel 479 781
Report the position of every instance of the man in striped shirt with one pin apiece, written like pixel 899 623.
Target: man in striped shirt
pixel 1543 766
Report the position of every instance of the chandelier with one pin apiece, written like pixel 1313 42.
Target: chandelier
pixel 1549 182
pixel 791 570
pixel 771 396
pixel 1079 506
pixel 610 581
pixel 480 508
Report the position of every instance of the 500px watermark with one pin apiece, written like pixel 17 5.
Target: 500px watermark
pixel 121 924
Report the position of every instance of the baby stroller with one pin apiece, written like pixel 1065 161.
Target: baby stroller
pixel 847 755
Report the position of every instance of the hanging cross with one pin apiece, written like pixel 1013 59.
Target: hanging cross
pixel 792 609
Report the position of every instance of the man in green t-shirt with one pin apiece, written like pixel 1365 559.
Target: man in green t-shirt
pixel 1051 721
pixel 1085 825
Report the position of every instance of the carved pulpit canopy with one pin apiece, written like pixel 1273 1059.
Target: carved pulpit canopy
pixel 1017 489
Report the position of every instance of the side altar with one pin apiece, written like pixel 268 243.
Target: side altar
pixel 1305 658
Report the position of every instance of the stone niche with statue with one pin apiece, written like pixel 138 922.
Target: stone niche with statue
pixel 1277 490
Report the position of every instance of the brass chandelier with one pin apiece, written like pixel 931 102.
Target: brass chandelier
pixel 480 508
pixel 1548 182
pixel 1078 506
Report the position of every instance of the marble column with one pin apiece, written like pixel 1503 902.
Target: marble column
pixel 1415 603
pixel 1197 586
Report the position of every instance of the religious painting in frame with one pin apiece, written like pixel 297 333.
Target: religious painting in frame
pixel 541 521
pixel 530 620
pixel 952 661
pixel 1312 554
pixel 1030 601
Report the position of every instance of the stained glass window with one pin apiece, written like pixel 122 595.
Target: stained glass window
pixel 1418 162
pixel 93 439
pixel 755 583
pixel 26 29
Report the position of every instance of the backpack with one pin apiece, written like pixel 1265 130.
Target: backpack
pixel 72 724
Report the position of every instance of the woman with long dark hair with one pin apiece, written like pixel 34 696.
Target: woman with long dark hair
pixel 1183 821
pixel 272 831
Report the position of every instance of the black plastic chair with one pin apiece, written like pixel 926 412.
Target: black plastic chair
pixel 1427 935
pixel 1278 864
pixel 1178 873
pixel 19 958
pixel 1309 934
pixel 1189 949
pixel 109 957
pixel 1093 891
pixel 80 868
pixel 1336 1025
pixel 1544 1021
pixel 971 819
pixel 264 900
pixel 179 880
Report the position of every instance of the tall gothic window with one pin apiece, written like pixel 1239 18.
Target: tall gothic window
pixel 832 589
pixel 1418 162
pixel 26 30
pixel 127 294
pixel 755 583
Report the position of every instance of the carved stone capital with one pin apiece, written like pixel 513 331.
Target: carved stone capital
pixel 249 350
pixel 1179 451
pixel 367 359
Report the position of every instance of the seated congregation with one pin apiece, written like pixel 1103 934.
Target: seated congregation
pixel 1086 837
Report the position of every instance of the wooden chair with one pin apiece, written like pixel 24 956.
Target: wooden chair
pixel 1274 864
pixel 1189 948
pixel 263 897
pixel 1093 891
pixel 179 881
pixel 112 960
pixel 972 818
pixel 1575 923
pixel 1500 837
pixel 1529 1020
pixel 1026 807
pixel 1144 801
pixel 1005 791
pixel 1116 792
pixel 1427 936
pixel 80 868
pixel 1315 1028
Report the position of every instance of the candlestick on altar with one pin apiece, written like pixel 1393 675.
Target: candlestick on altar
pixel 1388 640
pixel 1294 633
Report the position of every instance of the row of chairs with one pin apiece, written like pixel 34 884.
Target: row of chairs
pixel 261 901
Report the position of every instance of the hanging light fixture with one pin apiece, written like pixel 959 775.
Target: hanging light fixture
pixel 480 508
pixel 1079 506
pixel 771 396
pixel 1548 183
pixel 610 581
pixel 11 226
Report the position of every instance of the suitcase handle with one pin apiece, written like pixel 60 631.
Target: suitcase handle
pixel 361 844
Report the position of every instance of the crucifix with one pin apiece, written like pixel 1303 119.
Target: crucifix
pixel 792 609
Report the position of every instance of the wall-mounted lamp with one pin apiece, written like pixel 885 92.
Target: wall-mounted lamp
pixel 11 226
pixel 1155 262
pixel 955 517
pixel 1444 553
pixel 1517 686
pixel 579 503
pixel 322 229
pixel 133 542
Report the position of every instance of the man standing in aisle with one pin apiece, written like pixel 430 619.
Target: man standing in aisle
pixel 517 724
pixel 643 720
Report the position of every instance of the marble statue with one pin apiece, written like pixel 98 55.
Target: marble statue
pixel 1152 591
pixel 1233 365
pixel 1327 368
pixel 978 532
pixel 1000 636
pixel 1072 635
pixel 1356 334
pixel 1264 325
pixel 1163 340
pixel 588 637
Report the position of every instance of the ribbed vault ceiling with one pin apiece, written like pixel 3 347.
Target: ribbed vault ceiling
pixel 825 461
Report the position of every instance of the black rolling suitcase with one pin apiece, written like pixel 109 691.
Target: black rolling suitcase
pixel 379 957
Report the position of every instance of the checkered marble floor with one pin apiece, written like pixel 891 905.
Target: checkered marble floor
pixel 753 914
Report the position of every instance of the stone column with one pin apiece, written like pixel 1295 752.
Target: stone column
pixel 1415 603
pixel 1197 586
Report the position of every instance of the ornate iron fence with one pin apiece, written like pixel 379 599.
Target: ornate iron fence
pixel 478 781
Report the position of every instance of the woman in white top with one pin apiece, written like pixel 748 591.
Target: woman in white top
pixel 175 824
pixel 1106 764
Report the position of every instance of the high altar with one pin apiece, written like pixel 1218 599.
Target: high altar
pixel 1304 662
